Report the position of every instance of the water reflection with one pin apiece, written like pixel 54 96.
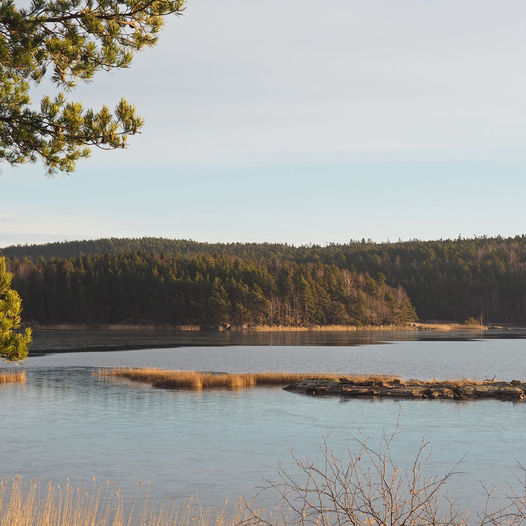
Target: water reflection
pixel 46 341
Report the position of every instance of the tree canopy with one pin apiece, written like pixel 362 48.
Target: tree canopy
pixel 164 289
pixel 14 346
pixel 63 42
pixel 448 279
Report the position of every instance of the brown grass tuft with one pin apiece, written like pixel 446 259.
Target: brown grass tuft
pixel 174 379
pixel 7 378
pixel 197 380
pixel 32 504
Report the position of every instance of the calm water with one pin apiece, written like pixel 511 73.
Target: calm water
pixel 219 444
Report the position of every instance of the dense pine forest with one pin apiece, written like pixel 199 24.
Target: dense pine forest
pixel 205 290
pixel 445 280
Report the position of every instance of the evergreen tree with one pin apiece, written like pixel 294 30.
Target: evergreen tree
pixel 14 346
pixel 144 288
pixel 68 41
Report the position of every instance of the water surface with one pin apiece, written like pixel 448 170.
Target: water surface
pixel 218 444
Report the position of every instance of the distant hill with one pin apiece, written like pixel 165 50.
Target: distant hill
pixel 445 279
pixel 115 246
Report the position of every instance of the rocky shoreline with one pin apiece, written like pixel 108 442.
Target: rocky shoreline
pixel 412 389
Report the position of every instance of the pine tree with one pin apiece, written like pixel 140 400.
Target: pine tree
pixel 14 345
pixel 66 41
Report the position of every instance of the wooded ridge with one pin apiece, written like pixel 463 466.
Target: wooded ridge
pixel 445 279
pixel 204 290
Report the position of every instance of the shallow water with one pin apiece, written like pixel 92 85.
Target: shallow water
pixel 223 444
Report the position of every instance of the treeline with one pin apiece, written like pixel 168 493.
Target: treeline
pixel 452 279
pixel 159 245
pixel 206 290
pixel 445 279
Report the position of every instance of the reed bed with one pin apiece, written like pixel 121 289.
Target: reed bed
pixel 7 378
pixel 31 504
pixel 176 379
pixel 200 380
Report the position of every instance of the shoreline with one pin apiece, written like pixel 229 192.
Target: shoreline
pixel 411 327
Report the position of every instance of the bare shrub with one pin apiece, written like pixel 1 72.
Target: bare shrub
pixel 366 487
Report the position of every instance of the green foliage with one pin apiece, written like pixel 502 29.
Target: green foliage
pixel 14 346
pixel 445 279
pixel 66 41
pixel 207 290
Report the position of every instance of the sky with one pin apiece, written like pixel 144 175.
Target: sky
pixel 303 122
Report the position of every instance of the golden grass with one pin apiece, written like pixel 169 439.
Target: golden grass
pixel 176 379
pixel 30 504
pixel 7 378
pixel 197 380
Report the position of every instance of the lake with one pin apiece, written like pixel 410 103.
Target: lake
pixel 221 444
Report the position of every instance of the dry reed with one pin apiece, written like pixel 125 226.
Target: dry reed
pixel 176 379
pixel 6 378
pixel 30 504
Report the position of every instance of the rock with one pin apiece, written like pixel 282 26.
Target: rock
pixel 464 392
pixel 512 393
pixel 346 387
pixel 447 394
pixel 356 392
pixel 399 393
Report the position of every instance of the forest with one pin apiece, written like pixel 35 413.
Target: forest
pixel 445 279
pixel 205 290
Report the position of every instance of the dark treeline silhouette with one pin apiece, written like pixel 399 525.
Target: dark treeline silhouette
pixel 156 288
pixel 180 247
pixel 445 279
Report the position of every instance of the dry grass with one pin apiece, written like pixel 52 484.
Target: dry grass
pixel 7 378
pixel 30 504
pixel 196 380
pixel 175 379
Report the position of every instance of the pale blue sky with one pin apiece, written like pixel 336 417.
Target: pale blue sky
pixel 297 121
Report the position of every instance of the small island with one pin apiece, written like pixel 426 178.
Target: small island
pixel 464 389
pixel 348 386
